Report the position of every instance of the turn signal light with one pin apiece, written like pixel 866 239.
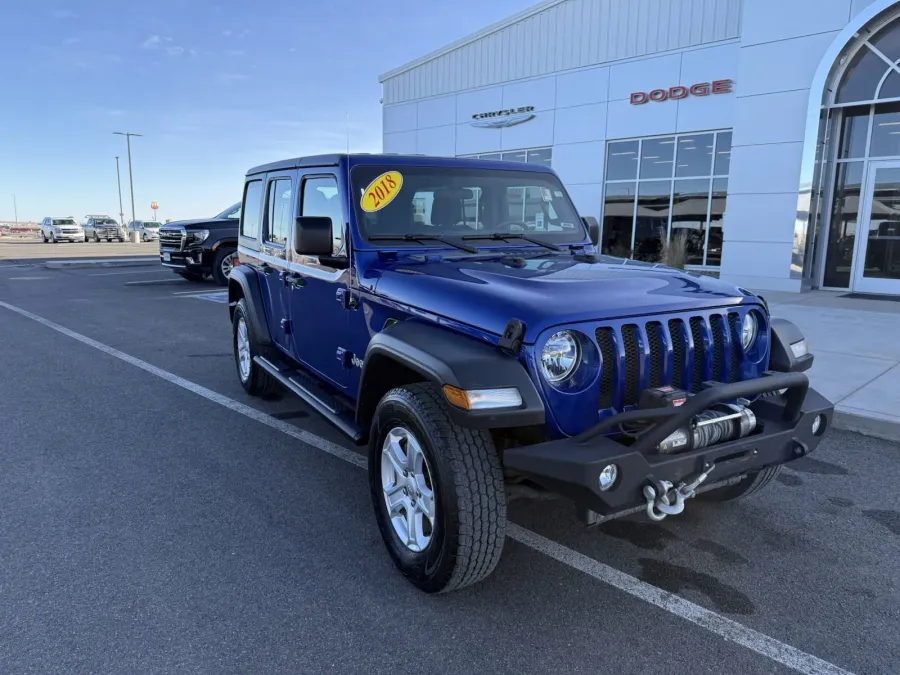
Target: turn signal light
pixel 482 399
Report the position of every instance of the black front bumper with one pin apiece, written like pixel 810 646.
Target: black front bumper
pixel 571 467
pixel 194 261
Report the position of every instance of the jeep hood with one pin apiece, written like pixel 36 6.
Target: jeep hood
pixel 545 291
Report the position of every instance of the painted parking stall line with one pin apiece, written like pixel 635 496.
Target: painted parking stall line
pixel 724 627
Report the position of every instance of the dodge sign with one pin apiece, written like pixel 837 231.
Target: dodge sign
pixel 680 91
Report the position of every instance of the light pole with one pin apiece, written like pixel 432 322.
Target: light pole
pixel 119 181
pixel 128 135
pixel 16 209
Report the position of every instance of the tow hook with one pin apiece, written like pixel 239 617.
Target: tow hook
pixel 663 501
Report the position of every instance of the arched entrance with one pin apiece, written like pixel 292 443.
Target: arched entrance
pixel 860 217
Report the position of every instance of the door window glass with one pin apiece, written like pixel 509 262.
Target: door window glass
pixel 320 198
pixel 842 231
pixel 251 217
pixel 279 212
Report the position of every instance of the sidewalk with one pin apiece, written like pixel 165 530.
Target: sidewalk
pixel 856 343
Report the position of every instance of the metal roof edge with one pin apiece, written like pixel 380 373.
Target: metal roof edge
pixel 472 37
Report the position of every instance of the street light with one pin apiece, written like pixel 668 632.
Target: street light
pixel 119 181
pixel 128 135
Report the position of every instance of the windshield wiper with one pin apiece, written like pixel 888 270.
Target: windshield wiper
pixel 418 238
pixel 503 236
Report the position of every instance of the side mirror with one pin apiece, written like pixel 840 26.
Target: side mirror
pixel 312 235
pixel 593 229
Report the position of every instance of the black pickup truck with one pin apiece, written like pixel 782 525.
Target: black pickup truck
pixel 196 249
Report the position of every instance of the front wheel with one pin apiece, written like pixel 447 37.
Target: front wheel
pixel 751 483
pixel 222 265
pixel 438 491
pixel 52 238
pixel 43 237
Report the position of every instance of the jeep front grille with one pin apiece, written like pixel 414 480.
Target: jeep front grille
pixel 171 239
pixel 681 352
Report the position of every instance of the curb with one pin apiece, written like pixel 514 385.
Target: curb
pixel 100 262
pixel 871 424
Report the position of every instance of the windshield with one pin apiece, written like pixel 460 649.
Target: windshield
pixel 63 221
pixel 457 201
pixel 108 221
pixel 233 212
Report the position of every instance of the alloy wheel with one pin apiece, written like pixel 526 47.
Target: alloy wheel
pixel 406 482
pixel 243 349
pixel 227 265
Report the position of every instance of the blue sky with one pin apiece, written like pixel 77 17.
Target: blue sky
pixel 215 87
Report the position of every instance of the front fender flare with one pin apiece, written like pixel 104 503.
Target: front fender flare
pixel 443 357
pixel 244 282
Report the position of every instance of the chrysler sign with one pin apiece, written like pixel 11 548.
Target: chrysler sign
pixel 503 118
pixel 679 92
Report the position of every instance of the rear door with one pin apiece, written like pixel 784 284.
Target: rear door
pixel 278 217
pixel 320 297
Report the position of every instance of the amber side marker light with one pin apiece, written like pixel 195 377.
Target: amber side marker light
pixel 482 399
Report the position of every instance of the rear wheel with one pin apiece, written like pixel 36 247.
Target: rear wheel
pixel 438 491
pixel 753 482
pixel 254 380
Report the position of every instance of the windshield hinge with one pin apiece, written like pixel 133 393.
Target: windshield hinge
pixel 512 336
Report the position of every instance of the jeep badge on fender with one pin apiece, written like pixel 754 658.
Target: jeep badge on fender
pixel 469 338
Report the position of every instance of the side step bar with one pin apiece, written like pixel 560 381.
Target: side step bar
pixel 318 401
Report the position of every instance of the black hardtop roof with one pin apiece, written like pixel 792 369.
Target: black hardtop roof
pixel 398 160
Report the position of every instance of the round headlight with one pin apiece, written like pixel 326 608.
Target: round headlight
pixel 560 356
pixel 749 329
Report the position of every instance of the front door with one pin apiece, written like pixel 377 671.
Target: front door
pixel 277 221
pixel 877 260
pixel 320 303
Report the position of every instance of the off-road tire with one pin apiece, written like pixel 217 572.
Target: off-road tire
pixel 752 483
pixel 217 274
pixel 470 498
pixel 259 382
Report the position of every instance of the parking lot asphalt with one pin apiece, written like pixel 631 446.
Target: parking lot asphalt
pixel 150 524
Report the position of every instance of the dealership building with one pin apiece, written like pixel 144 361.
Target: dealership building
pixel 762 135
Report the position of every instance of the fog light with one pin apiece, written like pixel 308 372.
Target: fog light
pixel 818 425
pixel 608 477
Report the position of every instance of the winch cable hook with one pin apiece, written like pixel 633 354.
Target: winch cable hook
pixel 659 495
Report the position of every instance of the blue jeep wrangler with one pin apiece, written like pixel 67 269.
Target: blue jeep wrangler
pixel 454 316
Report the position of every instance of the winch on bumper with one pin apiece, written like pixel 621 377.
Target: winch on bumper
pixel 606 478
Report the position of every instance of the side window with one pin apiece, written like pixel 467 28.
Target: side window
pixel 320 198
pixel 279 211
pixel 251 214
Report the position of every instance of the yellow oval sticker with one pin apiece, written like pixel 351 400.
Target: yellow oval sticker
pixel 381 191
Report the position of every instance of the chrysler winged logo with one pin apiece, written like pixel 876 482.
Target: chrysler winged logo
pixel 503 118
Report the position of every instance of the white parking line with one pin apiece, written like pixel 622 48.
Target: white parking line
pixel 113 274
pixel 719 625
pixel 195 292
pixel 153 281
pixel 25 278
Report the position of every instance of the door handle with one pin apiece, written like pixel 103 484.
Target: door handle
pixel 294 279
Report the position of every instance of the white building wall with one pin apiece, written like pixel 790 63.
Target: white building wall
pixel 770 124
pixel 575 113
pixel 560 35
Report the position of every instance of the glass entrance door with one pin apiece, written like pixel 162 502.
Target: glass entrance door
pixel 877 261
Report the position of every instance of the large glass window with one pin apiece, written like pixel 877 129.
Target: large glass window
pixel 667 191
pixel 541 156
